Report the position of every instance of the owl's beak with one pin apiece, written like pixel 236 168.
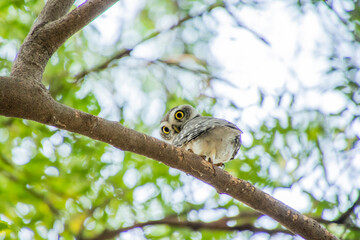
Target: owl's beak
pixel 176 128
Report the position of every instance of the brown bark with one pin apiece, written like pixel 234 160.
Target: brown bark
pixel 22 95
pixel 50 31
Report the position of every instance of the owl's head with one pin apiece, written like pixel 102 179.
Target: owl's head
pixel 173 121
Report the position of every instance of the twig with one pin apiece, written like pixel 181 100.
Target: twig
pixel 195 71
pixel 242 25
pixel 342 219
pixel 125 52
pixel 174 221
pixel 330 7
pixel 37 195
pixel 328 222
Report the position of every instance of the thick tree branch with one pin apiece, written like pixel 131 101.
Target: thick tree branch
pixel 53 10
pixel 46 37
pixel 32 101
pixel 77 19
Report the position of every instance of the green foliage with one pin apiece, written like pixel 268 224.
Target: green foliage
pixel 59 182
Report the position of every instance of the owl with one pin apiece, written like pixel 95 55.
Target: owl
pixel 216 140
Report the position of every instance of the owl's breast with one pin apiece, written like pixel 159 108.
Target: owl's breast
pixel 220 144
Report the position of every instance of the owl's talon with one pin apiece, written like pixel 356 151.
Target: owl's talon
pixel 220 165
pixel 213 167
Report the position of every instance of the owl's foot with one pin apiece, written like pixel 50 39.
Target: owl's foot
pixel 210 161
pixel 221 165
pixel 213 167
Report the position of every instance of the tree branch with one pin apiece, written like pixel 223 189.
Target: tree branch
pixel 46 37
pixel 345 225
pixel 175 222
pixel 208 74
pixel 220 224
pixel 242 25
pixel 52 11
pixel 34 193
pixel 126 52
pixel 342 219
pixel 31 101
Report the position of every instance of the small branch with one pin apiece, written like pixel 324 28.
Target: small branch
pixel 342 219
pixel 34 193
pixel 321 160
pixel 219 225
pixel 242 25
pixel 195 71
pixel 90 213
pixel 330 7
pixel 120 54
pixel 328 222
pixel 126 52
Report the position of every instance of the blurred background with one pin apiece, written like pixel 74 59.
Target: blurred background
pixel 286 72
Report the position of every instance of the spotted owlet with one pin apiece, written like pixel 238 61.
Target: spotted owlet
pixel 216 140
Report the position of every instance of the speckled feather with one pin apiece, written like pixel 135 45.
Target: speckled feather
pixel 200 125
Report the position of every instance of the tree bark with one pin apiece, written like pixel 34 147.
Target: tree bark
pixel 22 95
pixel 50 31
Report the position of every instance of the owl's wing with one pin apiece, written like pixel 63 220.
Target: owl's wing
pixel 198 126
pixel 236 146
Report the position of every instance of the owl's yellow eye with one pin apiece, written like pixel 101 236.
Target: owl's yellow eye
pixel 179 115
pixel 165 130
